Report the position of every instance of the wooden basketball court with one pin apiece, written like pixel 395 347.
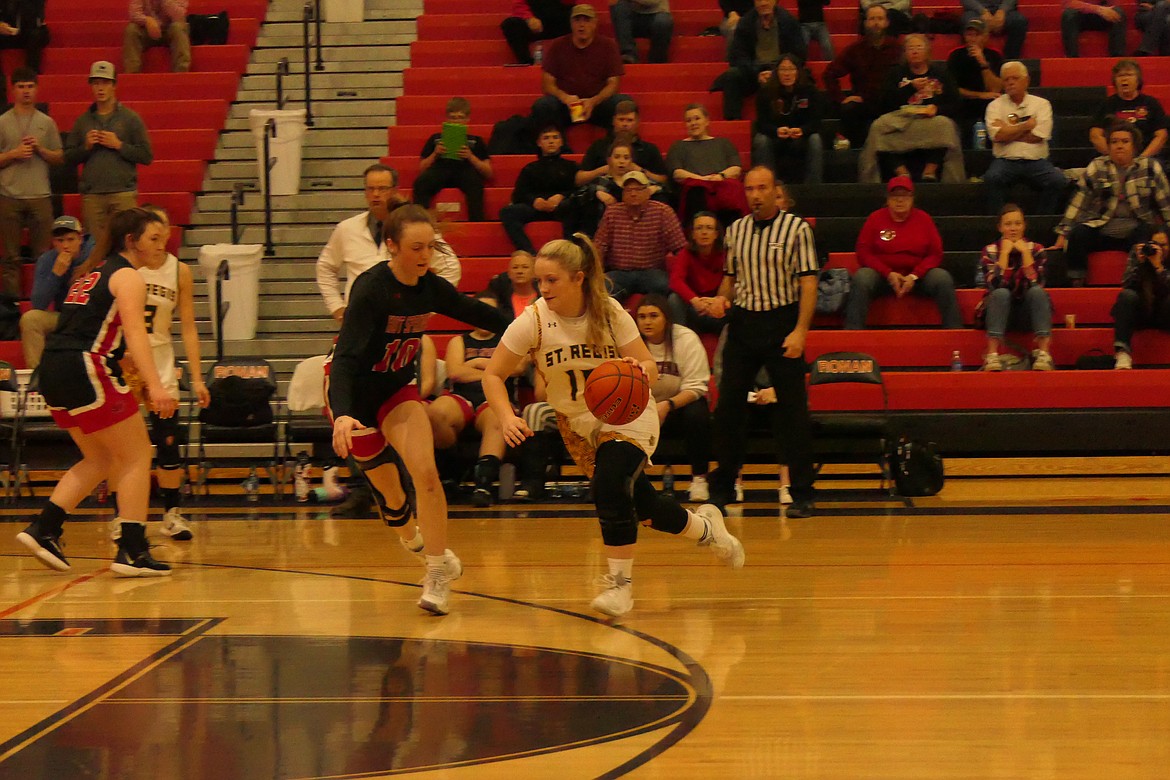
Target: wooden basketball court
pixel 1008 628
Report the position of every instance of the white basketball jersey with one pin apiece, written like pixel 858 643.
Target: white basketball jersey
pixel 563 355
pixel 162 298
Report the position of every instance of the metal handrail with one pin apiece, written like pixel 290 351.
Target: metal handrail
pixel 306 17
pixel 223 273
pixel 281 71
pixel 269 133
pixel 237 201
pixel 317 15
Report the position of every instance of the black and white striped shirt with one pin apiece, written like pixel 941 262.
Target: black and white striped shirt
pixel 766 258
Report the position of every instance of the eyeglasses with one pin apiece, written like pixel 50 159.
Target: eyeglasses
pixel 379 190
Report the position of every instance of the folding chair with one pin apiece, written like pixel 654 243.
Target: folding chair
pixel 240 413
pixel 9 402
pixel 37 433
pixel 304 422
pixel 851 437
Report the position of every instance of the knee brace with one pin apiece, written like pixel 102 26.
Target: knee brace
pixel 619 464
pixel 164 434
pixel 395 517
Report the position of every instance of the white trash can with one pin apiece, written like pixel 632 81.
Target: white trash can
pixel 343 10
pixel 241 290
pixel 284 150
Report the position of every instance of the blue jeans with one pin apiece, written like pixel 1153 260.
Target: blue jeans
pixel 643 280
pixel 820 31
pixel 1153 24
pixel 868 284
pixel 1040 175
pixel 1073 21
pixel 999 310
pixel 793 160
pixel 628 25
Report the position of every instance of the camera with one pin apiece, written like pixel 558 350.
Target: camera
pixel 1149 249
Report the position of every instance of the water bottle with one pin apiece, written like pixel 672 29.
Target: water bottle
pixel 252 486
pixel 956 361
pixel 840 143
pixel 668 480
pixel 538 54
pixel 301 477
pixel 979 135
pixel 507 481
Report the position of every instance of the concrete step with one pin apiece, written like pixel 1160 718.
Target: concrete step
pixel 328 113
pixel 295 93
pixel 280 326
pixel 311 236
pixel 290 33
pixel 337 59
pixel 372 14
pixel 307 251
pixel 218 206
pixel 265 82
pixel 315 137
pixel 331 169
pixel 289 216
pixel 372 153
pixel 291 348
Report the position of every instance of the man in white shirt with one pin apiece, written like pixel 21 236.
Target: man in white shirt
pixel 356 244
pixel 1020 125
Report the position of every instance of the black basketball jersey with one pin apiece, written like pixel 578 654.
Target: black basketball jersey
pixel 89 317
pixel 477 348
pixel 382 334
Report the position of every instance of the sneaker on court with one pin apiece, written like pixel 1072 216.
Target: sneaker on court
pixel 618 597
pixel 785 496
pixel 1042 360
pixel 142 564
pixel 739 490
pixel 436 593
pixel 45 546
pixel 175 526
pixel 699 491
pixel 725 546
pixel 801 509
pixel 482 497
pixel 991 362
pixel 1122 361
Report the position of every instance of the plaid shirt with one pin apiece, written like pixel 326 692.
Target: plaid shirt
pixel 630 241
pixel 1095 201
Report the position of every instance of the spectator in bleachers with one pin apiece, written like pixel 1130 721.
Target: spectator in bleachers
pixel 811 15
pixel 109 141
pixel 680 394
pixel 516 288
pixel 1144 300
pixel 999 17
pixel 900 252
pixel 51 280
pixel 1119 200
pixel 975 69
pixel 1151 19
pixel 22 26
pixel 705 169
pixel 1081 15
pixel 1129 104
pixel 897 11
pixel 589 201
pixel 534 20
pixel 541 190
pixel 916 134
pixel 157 23
pixel 866 62
pixel 634 238
pixel 464 404
pixel 733 11
pixel 582 73
pixel 787 136
pixel 762 35
pixel 465 168
pixel 1013 276
pixel 356 243
pixel 642 19
pixel 1019 125
pixel 695 275
pixel 646 154
pixel 29 144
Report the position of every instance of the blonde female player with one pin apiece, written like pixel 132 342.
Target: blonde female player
pixel 373 398
pixel 571 329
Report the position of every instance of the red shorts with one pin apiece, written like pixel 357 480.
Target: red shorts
pixel 368 442
pixel 83 393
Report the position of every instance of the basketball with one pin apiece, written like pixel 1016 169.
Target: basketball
pixel 616 392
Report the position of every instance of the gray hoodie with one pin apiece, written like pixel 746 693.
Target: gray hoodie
pixel 107 170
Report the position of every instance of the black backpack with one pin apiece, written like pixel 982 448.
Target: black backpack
pixel 915 467
pixel 240 394
pixel 512 136
pixel 209 28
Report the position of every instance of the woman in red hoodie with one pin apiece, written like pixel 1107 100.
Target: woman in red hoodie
pixel 695 274
pixel 899 250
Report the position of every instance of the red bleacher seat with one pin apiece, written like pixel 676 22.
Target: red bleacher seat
pixel 1097 71
pixel 204 59
pixel 110 32
pixel 654 107
pixel 177 204
pixel 140 87
pixel 62 11
pixel 158 115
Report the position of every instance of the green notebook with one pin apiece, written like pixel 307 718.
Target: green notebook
pixel 454 139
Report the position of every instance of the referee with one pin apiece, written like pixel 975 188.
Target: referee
pixel 770 280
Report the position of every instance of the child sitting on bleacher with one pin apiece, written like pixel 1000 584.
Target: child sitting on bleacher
pixel 1013 273
pixel 465 168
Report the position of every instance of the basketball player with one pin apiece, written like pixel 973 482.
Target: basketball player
pixel 169 288
pixel 373 401
pixel 101 318
pixel 571 329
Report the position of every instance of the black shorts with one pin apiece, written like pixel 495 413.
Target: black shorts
pixel 84 390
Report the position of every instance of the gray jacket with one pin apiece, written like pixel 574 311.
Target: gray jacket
pixel 107 170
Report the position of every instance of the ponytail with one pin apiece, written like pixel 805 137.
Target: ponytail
pixel 579 254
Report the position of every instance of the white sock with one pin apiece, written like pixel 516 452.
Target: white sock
pixel 436 563
pixel 622 569
pixel 696 527
pixel 415 543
